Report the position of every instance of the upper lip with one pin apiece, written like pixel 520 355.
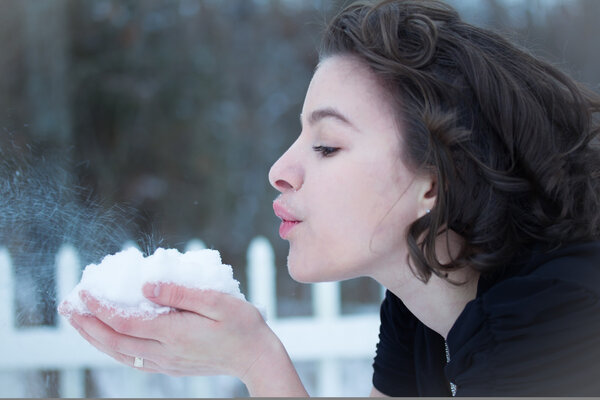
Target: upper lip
pixel 283 213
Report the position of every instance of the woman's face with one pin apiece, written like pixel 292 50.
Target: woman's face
pixel 346 197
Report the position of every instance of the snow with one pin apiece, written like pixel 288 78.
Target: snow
pixel 118 280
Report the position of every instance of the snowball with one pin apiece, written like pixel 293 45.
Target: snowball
pixel 118 280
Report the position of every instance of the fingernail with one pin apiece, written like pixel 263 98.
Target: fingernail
pixel 152 290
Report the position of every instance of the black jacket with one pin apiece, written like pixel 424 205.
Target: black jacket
pixel 533 331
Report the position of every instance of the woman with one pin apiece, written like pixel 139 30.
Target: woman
pixel 455 169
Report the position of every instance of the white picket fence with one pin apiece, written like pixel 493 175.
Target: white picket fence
pixel 327 339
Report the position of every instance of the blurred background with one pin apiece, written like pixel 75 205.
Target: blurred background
pixel 156 122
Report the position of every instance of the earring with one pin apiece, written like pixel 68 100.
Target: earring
pixel 428 211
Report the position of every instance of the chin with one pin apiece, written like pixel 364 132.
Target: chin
pixel 300 274
pixel 305 271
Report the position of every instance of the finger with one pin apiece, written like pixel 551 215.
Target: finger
pixel 114 342
pixel 136 326
pixel 125 359
pixel 65 308
pixel 209 303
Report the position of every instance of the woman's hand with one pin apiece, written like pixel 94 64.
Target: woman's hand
pixel 211 333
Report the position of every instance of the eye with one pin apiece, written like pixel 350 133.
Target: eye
pixel 325 151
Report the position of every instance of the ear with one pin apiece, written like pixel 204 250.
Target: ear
pixel 427 193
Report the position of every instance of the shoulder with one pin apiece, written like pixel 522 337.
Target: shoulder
pixel 575 267
pixel 577 264
pixel 564 279
pixel 540 325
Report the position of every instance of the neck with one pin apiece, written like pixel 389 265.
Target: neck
pixel 437 303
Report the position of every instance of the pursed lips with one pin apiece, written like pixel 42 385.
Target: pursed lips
pixel 288 220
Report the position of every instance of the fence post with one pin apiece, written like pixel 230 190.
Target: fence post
pixel 9 380
pixel 7 298
pixel 68 271
pixel 261 276
pixel 326 297
pixel 195 244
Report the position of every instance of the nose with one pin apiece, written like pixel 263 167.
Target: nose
pixel 287 173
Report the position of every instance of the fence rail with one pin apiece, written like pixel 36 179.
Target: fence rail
pixel 327 337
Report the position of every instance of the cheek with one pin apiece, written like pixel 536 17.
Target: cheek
pixel 358 219
pixel 332 245
pixel 390 233
pixel 345 239
pixel 383 209
pixel 370 198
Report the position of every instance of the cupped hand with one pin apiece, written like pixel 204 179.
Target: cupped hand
pixel 208 333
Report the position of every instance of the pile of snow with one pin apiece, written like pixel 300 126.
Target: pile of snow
pixel 118 280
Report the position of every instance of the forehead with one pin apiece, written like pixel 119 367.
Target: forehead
pixel 346 84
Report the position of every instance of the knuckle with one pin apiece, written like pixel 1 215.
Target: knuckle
pixel 250 316
pixel 211 298
pixel 122 325
pixel 167 342
pixel 255 315
pixel 176 296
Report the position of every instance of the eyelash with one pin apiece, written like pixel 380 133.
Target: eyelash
pixel 325 151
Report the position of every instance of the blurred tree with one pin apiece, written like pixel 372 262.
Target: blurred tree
pixel 178 108
pixel 46 64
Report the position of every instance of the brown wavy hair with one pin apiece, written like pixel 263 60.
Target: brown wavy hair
pixel 512 141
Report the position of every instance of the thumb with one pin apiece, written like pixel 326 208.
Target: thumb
pixel 209 303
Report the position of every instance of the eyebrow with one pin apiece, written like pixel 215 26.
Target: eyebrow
pixel 328 112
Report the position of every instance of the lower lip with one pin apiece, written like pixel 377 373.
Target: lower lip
pixel 286 227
